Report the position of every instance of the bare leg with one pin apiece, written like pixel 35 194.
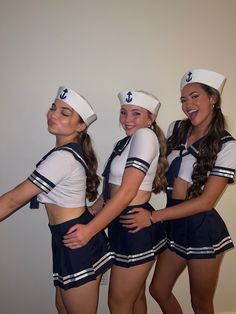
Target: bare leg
pixel 125 286
pixel 59 302
pixel 203 276
pixel 168 268
pixel 140 306
pixel 83 299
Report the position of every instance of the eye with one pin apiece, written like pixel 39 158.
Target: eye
pixel 53 107
pixel 66 113
pixel 182 100
pixel 122 112
pixel 136 113
pixel 195 96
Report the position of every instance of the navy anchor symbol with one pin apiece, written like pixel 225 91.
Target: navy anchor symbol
pixel 63 95
pixel 129 98
pixel 189 77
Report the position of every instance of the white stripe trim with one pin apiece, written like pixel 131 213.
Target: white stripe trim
pixel 40 183
pixel 201 250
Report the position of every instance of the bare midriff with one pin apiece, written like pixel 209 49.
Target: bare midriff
pixel 58 214
pixel 180 189
pixel 140 198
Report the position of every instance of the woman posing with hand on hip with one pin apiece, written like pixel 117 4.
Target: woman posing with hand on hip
pixel 201 154
pixel 135 169
pixel 62 181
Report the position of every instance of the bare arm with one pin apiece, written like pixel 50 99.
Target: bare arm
pixel 97 205
pixel 131 181
pixel 17 197
pixel 212 191
pixel 79 235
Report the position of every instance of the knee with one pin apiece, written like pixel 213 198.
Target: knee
pixel 202 304
pixel 119 303
pixel 156 292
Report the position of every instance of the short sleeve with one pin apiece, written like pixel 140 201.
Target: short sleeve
pixel 225 164
pixel 52 170
pixel 144 147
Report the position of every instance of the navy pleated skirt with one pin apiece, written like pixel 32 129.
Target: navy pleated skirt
pixel 75 267
pixel 132 249
pixel 203 235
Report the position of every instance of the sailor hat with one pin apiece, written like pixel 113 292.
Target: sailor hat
pixel 140 99
pixel 78 103
pixel 203 76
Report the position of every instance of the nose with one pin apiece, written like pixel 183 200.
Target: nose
pixel 128 117
pixel 54 114
pixel 188 103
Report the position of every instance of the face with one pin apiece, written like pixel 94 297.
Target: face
pixel 63 121
pixel 197 105
pixel 133 118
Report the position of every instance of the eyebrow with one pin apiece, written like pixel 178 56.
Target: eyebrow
pixel 67 108
pixel 63 108
pixel 190 94
pixel 134 109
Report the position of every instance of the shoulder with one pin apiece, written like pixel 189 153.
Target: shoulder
pixel 227 154
pixel 172 127
pixel 144 143
pixel 229 147
pixel 144 134
pixel 60 158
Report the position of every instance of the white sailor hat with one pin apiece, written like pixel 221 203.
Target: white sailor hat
pixel 203 76
pixel 140 99
pixel 78 103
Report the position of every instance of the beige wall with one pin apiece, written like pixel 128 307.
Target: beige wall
pixel 98 48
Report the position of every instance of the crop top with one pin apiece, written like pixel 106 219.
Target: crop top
pixel 225 163
pixel 62 178
pixel 142 153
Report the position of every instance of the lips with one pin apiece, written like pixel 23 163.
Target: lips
pixel 192 113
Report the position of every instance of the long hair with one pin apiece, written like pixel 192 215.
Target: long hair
pixel 209 147
pixel 159 182
pixel 90 158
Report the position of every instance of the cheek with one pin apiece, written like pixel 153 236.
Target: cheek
pixel 121 119
pixel 183 107
pixel 143 122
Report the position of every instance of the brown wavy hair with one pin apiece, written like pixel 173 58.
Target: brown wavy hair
pixel 90 158
pixel 159 182
pixel 209 147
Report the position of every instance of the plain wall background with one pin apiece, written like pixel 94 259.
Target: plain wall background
pixel 98 48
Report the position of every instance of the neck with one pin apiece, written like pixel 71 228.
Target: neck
pixel 195 133
pixel 60 141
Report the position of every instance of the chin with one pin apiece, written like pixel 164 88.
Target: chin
pixel 130 133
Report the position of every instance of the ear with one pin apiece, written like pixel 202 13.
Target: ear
pixel 153 117
pixel 81 127
pixel 212 100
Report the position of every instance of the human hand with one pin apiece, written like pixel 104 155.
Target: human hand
pixel 136 219
pixel 77 236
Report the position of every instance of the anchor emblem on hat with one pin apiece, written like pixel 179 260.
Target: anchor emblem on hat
pixel 129 98
pixel 189 77
pixel 63 95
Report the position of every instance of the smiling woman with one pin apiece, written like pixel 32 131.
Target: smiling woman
pixel 201 155
pixel 135 169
